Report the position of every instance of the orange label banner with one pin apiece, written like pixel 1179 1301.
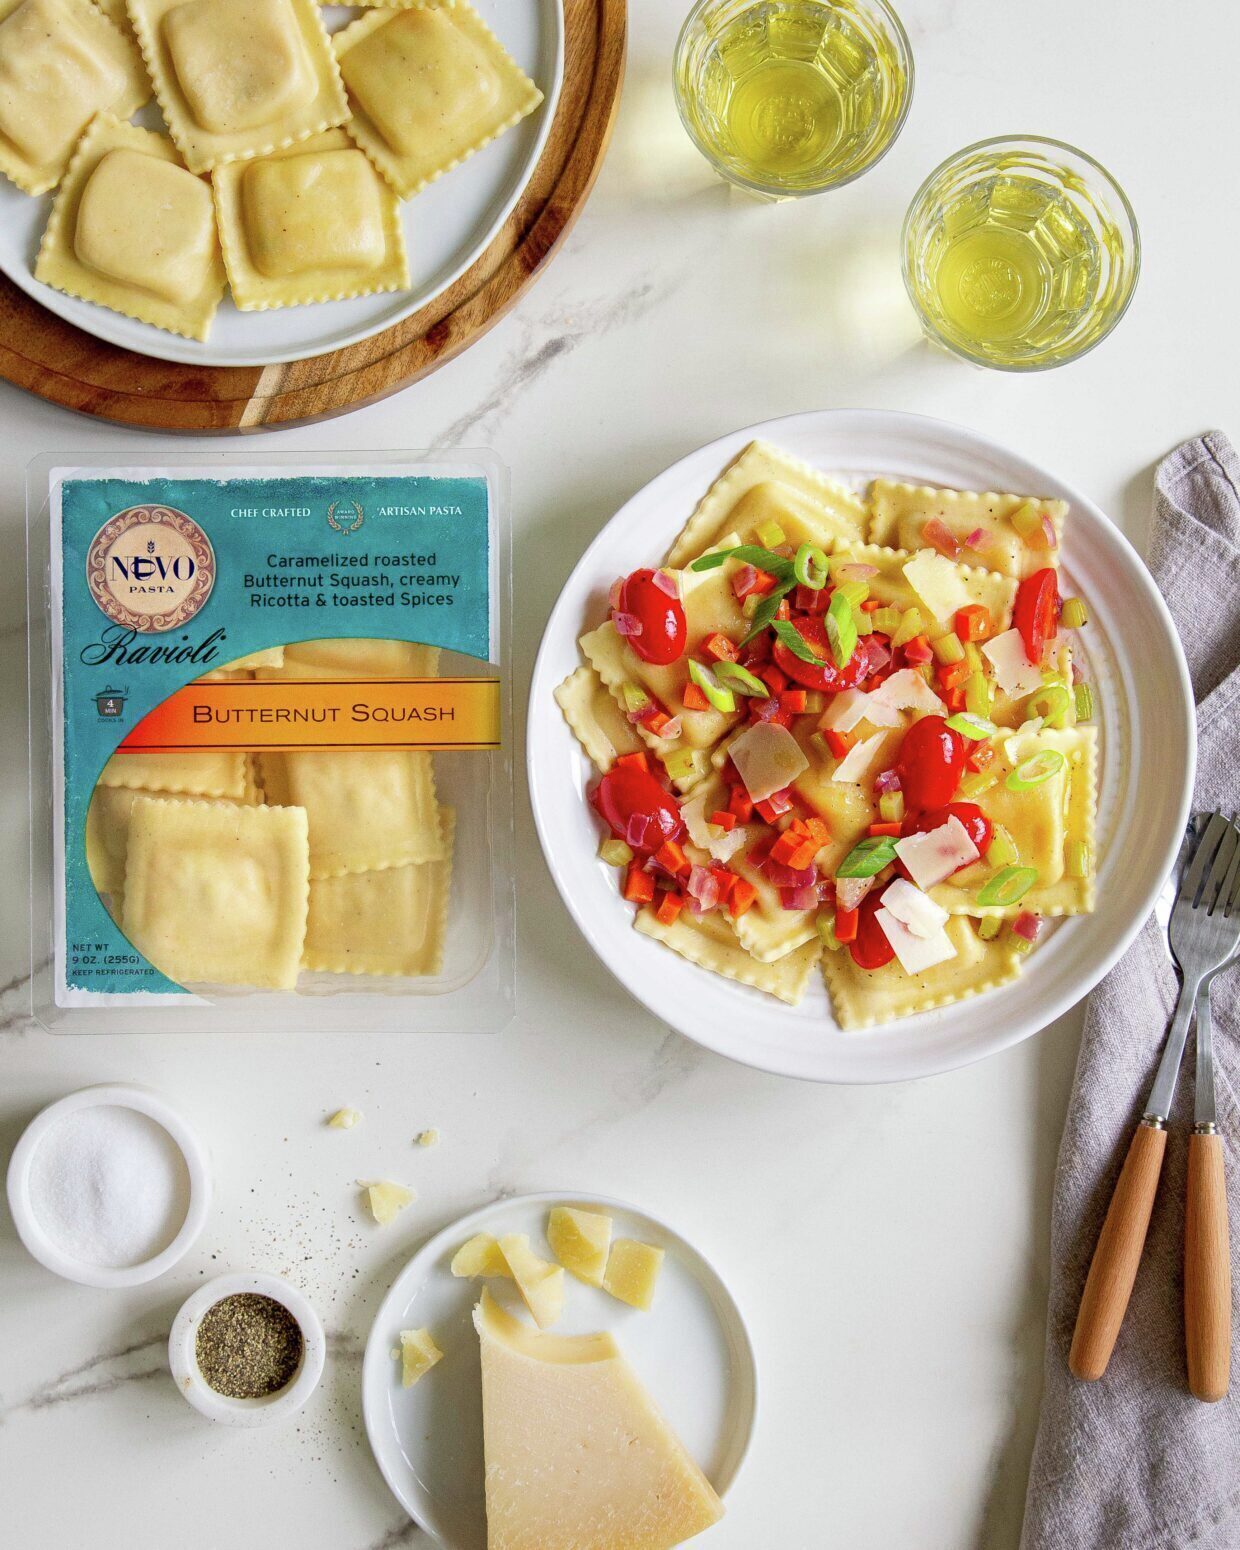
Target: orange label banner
pixel 285 715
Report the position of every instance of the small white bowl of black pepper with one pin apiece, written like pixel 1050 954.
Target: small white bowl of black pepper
pixel 247 1349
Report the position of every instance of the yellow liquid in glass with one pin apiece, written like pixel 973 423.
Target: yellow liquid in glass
pixel 792 95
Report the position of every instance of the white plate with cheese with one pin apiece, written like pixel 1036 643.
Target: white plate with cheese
pixel 1146 731
pixel 447 226
pixel 691 1351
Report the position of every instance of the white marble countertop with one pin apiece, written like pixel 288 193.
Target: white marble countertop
pixel 889 1245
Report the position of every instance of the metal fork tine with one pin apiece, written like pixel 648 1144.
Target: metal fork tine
pixel 1223 857
pixel 1203 855
pixel 1231 888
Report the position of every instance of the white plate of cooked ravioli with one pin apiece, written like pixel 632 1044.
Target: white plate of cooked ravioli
pixel 248 182
pixel 611 1401
pixel 888 841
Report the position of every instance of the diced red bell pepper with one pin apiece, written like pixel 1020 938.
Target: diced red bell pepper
pixel 953 675
pixel 817 830
pixel 692 698
pixel 727 880
pixel 783 609
pixel 955 700
pixel 742 897
pixel 846 925
pixel 973 622
pixel 775 806
pixel 741 803
pixel 719 647
pixel 871 605
pixel 839 742
pixel 918 650
pixel 793 850
pixel 885 831
pixel 723 818
pixel 749 581
pixel 638 885
pixel 980 756
pixel 773 679
pixel 658 721
pixel 812 600
pixel 670 906
pixel 793 701
pixel 633 761
pixel 672 858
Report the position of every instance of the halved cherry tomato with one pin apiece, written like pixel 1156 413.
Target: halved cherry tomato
pixel 1036 614
pixel 976 824
pixel 626 791
pixel 870 949
pixel 662 619
pixel 931 764
pixel 823 674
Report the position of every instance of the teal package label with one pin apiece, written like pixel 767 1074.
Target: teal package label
pixel 163 579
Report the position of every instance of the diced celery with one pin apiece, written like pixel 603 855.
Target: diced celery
pixel 891 806
pixel 1084 697
pixel 1027 520
pixel 856 592
pixel 820 746
pixel 826 930
pixel 1077 859
pixel 977 695
pixel 815 702
pixel 973 656
pixel 635 698
pixel 948 648
pixel 771 535
pixel 681 764
pixel 615 853
pixel 911 625
pixel 1002 851
pixel 973 784
pixel 886 620
pixel 1019 944
pixel 863 623
pixel 1075 615
pixel 989 927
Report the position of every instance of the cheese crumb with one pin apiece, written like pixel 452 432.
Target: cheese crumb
pixel 428 1137
pixel 387 1200
pixel 418 1354
pixel 344 1119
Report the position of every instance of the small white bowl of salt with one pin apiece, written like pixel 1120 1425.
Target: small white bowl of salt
pixel 109 1186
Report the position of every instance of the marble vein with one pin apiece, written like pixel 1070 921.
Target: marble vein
pixel 135 1363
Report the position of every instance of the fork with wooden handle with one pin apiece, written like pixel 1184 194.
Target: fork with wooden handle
pixel 1204 933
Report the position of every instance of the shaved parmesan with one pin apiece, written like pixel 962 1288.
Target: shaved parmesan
pixel 767 758
pixel 932 858
pixel 857 762
pixel 914 909
pixel 722 847
pixel 905 690
pixel 1014 672
pixel 846 709
pixel 916 953
pixel 938 583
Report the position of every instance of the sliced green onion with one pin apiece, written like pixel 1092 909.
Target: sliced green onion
pixel 682 764
pixel 615 853
pixel 868 858
pixel 989 927
pixel 948 648
pixel 1084 697
pixel 1077 859
pixel 1075 615
pixel 750 606
pixel 886 620
pixel 978 698
pixel 841 631
pixel 741 679
pixel 719 695
pixel 1037 770
pixel 826 930
pixel 788 635
pixel 975 728
pixel 1051 702
pixel 768 606
pixel 810 567
pixel 977 781
pixel 911 625
pixel 1007 886
pixel 777 565
pixel 891 806
pixel 635 698
pixel 1002 849
pixel 772 535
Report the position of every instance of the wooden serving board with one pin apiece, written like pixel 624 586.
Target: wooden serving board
pixel 47 356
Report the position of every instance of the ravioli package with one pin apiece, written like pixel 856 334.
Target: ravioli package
pixel 271 752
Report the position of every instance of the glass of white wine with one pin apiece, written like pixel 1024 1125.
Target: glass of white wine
pixel 1020 253
pixel 791 97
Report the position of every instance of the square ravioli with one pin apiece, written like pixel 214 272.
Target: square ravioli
pixel 217 893
pixel 766 486
pixel 391 922
pixel 239 78
pixel 215 773
pixel 107 832
pixel 61 63
pixel 899 513
pixel 428 88
pixel 313 222
pixel 598 723
pixel 864 997
pixel 710 942
pixel 132 230
pixel 360 658
pixel 368 809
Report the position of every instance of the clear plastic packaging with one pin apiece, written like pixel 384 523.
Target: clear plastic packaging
pixel 270 742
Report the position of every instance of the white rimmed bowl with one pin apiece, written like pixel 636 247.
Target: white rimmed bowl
pixel 182 1342
pixel 31 1232
pixel 1148 750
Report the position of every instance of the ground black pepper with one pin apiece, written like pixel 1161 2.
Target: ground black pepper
pixel 248 1346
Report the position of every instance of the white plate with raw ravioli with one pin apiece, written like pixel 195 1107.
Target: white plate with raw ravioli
pixel 443 227
pixel 888 805
pixel 614 1409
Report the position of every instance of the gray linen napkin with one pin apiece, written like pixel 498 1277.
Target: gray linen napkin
pixel 1133 1462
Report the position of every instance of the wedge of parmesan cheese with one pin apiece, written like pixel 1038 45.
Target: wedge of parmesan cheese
pixel 540 1283
pixel 916 953
pixel 905 690
pixel 914 909
pixel 857 762
pixel 938 583
pixel 1014 672
pixel 932 858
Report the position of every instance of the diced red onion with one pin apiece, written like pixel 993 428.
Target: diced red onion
pixel 613 597
pixel 1078 677
pixel 980 538
pixel 855 570
pixel 886 781
pixel 627 625
pixel 849 891
pixel 1048 532
pixel 666 583
pixel 671 730
pixel 637 830
pixel 744 579
pixel 667 822
pixel 704 886
pixel 826 891
pixel 804 898
pixel 879 654
pixel 766 710
pixel 939 536
pixel 780 802
pixel 781 876
pixel 1027 925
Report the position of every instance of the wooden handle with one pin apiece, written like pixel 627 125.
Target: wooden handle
pixel 1207 1271
pixel 1114 1266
